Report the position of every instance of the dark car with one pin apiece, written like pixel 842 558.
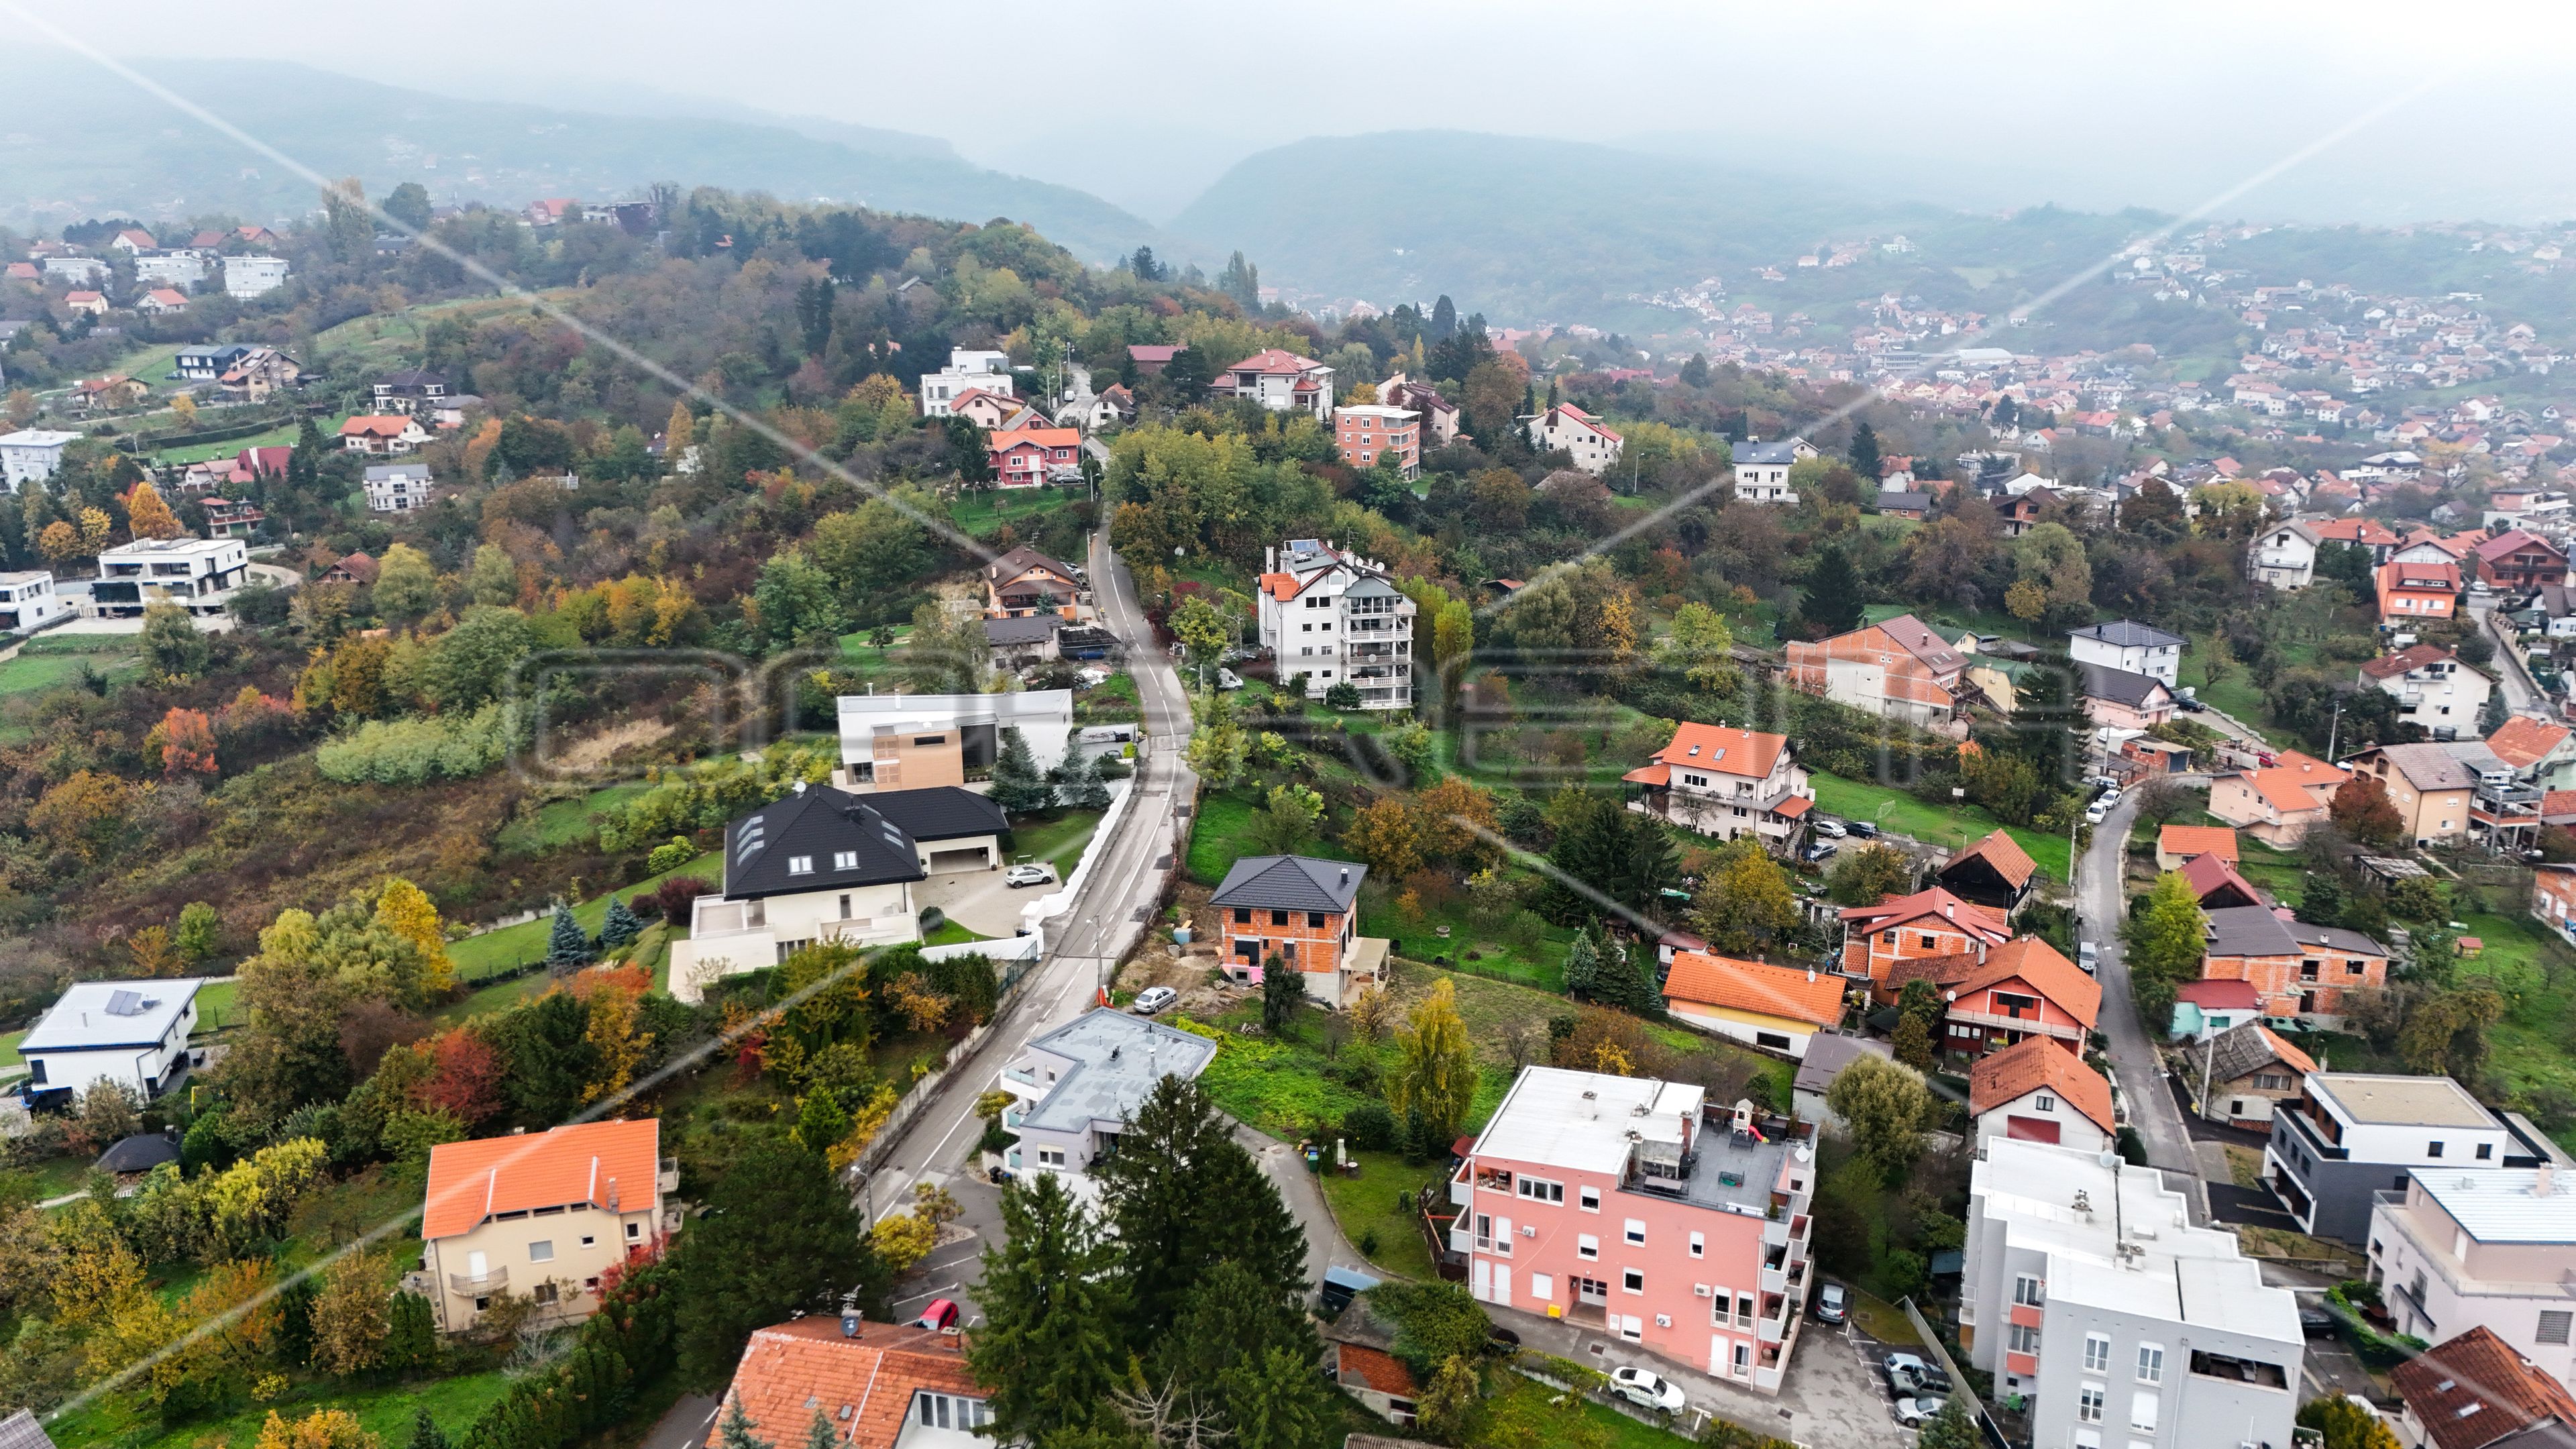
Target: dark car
pixel 1865 829
pixel 2315 1322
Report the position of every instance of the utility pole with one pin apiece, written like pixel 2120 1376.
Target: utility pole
pixel 2334 731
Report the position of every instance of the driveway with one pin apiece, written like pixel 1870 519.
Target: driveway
pixel 977 900
pixel 2100 908
pixel 2513 676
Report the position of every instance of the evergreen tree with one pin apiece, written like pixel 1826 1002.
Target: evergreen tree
pixel 621 926
pixel 1283 990
pixel 1184 1196
pixel 567 945
pixel 737 1431
pixel 1083 787
pixel 781 1234
pixel 1864 455
pixel 819 1435
pixel 1695 371
pixel 411 1335
pixel 2048 718
pixel 1582 965
pixel 424 1430
pixel 2492 717
pixel 294 1314
pixel 1950 1429
pixel 551 1057
pixel 1049 1346
pixel 2322 902
pixel 1444 319
pixel 1017 786
pixel 1277 1401
pixel 1830 601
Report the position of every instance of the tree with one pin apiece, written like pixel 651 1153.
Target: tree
pixel 146 516
pixel 1745 904
pixel 2167 938
pixel 1864 454
pixel 349 1322
pixel 493 576
pixel 406 584
pixel 321 1429
pixel 1387 833
pixel 781 1235
pixel 1866 876
pixel 2493 715
pixel 411 1338
pixel 2346 1423
pixel 407 911
pixel 1701 646
pixel 737 1431
pixel 1448 1403
pixel 109 1113
pixel 1582 965
pixel 567 944
pixel 425 1433
pixel 1436 1071
pixel 1694 373
pixel 796 604
pixel 1050 1344
pixel 2446 1032
pixel 1184 1197
pixel 1912 1044
pixel 1830 601
pixel 1018 787
pixel 199 930
pixel 1283 990
pixel 1952 1428
pixel 171 643
pixel 2361 809
pixel 1218 747
pixel 408 204
pixel 1886 1107
pixel 1287 823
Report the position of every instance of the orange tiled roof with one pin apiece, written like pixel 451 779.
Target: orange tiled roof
pixel 2477 1389
pixel 2051 975
pixel 862 1386
pixel 1787 991
pixel 2035 1063
pixel 2190 840
pixel 1370 1368
pixel 1976 920
pixel 2290 1056
pixel 1649 775
pixel 1725 751
pixel 2208 871
pixel 586 1163
pixel 1043 437
pixel 2004 853
pixel 2522 741
pixel 381 427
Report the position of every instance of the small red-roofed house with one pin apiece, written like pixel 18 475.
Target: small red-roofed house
pixel 2415 593
pixel 542 1216
pixel 2034 1092
pixel 2519 562
pixel 1281 381
pixel 2540 752
pixel 2277 803
pixel 1593 444
pixel 1775 1008
pixel 2204 1008
pixel 1927 923
pixel 1376 1378
pixel 1995 872
pixel 2476 1391
pixel 1028 457
pixel 2176 844
pixel 2216 884
pixel 382 437
pixel 874 1385
pixel 162 302
pixel 2020 990
pixel 986 410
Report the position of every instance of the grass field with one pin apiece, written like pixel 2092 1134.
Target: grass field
pixel 1378 1200
pixel 1954 826
pixel 33 672
pixel 565 822
pixel 513 945
pixel 1058 842
pixel 276 437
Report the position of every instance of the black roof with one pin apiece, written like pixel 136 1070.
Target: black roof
pixel 1290 882
pixel 824 826
pixel 1035 629
pixel 2101 681
pixel 140 1153
pixel 940 812
pixel 1024 558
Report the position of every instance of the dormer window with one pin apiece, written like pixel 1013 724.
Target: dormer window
pixel 845 860
pixel 800 865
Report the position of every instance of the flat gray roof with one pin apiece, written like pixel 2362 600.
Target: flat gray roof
pixel 95 1015
pixel 1117 1058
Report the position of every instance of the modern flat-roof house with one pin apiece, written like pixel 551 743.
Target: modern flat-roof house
pixel 2039 1092
pixel 1075 1088
pixel 28 601
pixel 2128 645
pixel 2476 1391
pixel 1305 912
pixel 2301 970
pixel 1334 617
pixel 2244 1072
pixel 543 1216
pixel 913 741
pixel 2087 1290
pixel 876 1385
pixel 1762 470
pixel 1634 1207
pixel 827 865
pixel 32 455
pixel 200 575
pixel 397 487
pixel 248 277
pixel 1995 872
pixel 1776 1008
pixel 131 1032
pixel 1727 782
pixel 2488 1247
pixel 1900 669
pixel 1366 431
pixel 968 370
pixel 2351 1135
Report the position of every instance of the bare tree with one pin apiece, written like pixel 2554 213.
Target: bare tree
pixel 1168 1417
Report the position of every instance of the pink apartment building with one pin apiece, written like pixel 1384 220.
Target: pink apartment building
pixel 1633 1207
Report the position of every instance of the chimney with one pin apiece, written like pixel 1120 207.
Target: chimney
pixel 1811 973
pixel 1950 910
pixel 2544 1179
pixel 612 1194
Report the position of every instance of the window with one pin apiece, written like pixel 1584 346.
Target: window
pixel 2432 1149
pixel 2022 1339
pixel 2088 1405
pixel 1538 1189
pixel 1590 1200
pixel 1243 915
pixel 1699 1245
pixel 588 1241
pixel 2554 1323
pixel 543 1293
pixel 1315 920
pixel 541 1251
pixel 2151 1363
pixel 1050 1157
pixel 1278 918
pixel 1587 1246
pixel 2028 1291
pixel 2486 1150
pixel 800 865
pixel 845 860
pixel 949 1411
pixel 1744 1310
pixel 2097 1353
pixel 634 1231
pixel 1632 1280
pixel 2142 1412
pixel 1637 1231
pixel 1772 1040
pixel 930 739
pixel 1928 943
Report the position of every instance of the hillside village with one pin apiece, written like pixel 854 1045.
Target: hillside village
pixel 836 827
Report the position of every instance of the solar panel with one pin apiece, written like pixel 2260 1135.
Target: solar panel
pixel 125 1003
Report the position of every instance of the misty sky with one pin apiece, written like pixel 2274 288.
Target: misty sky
pixel 1982 103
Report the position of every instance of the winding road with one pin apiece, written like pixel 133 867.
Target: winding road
pixel 2100 907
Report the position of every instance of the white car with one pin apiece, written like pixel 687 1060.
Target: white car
pixel 1830 829
pixel 1228 679
pixel 2095 813
pixel 1028 875
pixel 1915 1413
pixel 1646 1390
pixel 1153 999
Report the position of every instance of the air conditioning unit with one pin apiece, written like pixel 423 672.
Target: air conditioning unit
pixel 1700 1289
pixel 1663 1320
pixel 1529 1230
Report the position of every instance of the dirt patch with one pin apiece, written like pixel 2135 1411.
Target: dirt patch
pixel 2244 1165
pixel 599 749
pixel 1190 970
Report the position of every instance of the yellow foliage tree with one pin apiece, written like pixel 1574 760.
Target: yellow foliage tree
pixel 147 516
pixel 407 911
pixel 865 1124
pixel 93 1270
pixel 321 1429
pixel 59 542
pixel 614 1014
pixel 680 432
pixel 1436 1069
pixel 184 408
pixel 349 1317
pixel 95 526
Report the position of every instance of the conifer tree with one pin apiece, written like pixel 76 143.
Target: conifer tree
pixel 425 1432
pixel 1017 786
pixel 567 945
pixel 1582 965
pixel 621 926
pixel 1049 1345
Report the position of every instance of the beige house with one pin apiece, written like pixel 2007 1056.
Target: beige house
pixel 1727 782
pixel 542 1215
pixel 2427 783
pixel 2276 803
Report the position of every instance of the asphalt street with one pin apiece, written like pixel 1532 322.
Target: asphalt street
pixel 2100 908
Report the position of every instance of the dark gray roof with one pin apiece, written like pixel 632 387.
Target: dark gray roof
pixel 21 1431
pixel 2250 931
pixel 941 812
pixel 2240 1049
pixel 1370 587
pixel 2334 938
pixel 1827 1054
pixel 1023 557
pixel 2428 766
pixel 2127 634
pixel 1910 502
pixel 1035 629
pixel 821 824
pixel 381 472
pixel 1784 451
pixel 141 1152
pixel 2138 691
pixel 1290 882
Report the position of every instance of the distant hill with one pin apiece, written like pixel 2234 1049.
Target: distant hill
pixel 79 143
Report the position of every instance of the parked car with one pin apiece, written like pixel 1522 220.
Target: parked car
pixel 941 1314
pixel 2315 1322
pixel 1832 1303
pixel 1646 1390
pixel 1228 679
pixel 2095 813
pixel 1153 999
pixel 1821 850
pixel 1924 1382
pixel 1865 829
pixel 1830 829
pixel 2189 705
pixel 1915 1413
pixel 1896 1363
pixel 1028 875
pixel 2088 956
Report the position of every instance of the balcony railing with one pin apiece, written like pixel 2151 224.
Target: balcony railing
pixel 476 1285
pixel 2315 1140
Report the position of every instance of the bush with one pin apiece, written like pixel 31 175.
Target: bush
pixel 416 751
pixel 2133 1148
pixel 677 897
pixel 1370 1127
pixel 671 856
pixel 1342 696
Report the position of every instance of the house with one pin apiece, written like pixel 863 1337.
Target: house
pixel 2285 555
pixel 1025 582
pixel 2430 787
pixel 1281 381
pixel 1351 624
pixel 1995 872
pixel 2276 803
pixel 900 742
pixel 205 362
pixel 2117 699
pixel 2088 1293
pixel 172 270
pixel 351 568
pixel 543 1216
pixel 1074 1088
pixel 968 370
pixel 2177 844
pixel 1111 406
pixel 1776 1008
pixel 82 302
pixel 2216 884
pixel 161 302
pixel 2352 1135
pixel 1019 643
pixel 1365 431
pixel 986 410
pixel 2433 688
pixel 1152 357
pixel 2553 898
pixel 1028 457
pixel 1634 1208
pixel 826 865
pixel 254 276
pixel 2301 969
pixel 1592 444
pixel 2202 1009
pixel 133 1033
pixel 1727 782
pixel 2367 533
pixel 254 374
pixel 32 455
pixel 874 1385
pixel 1827 1054
pixel 2540 753
pixel 200 575
pixel 2518 562
pixel 2476 1390
pixel 2017 991
pixel 230 518
pixel 1303 912
pixel 1359 1355
pixel 551 211
pixel 111 392
pixel 2244 1071
pixel 2038 1092
pixel 412 392
pixel 397 487
pixel 1904 505
pixel 28 601
pixel 1929 922
pixel 132 240
pixel 2411 593
pixel 1761 472
pixel 2145 757
pixel 1439 415
pixel 2127 645
pixel 1898 669
pixel 390 436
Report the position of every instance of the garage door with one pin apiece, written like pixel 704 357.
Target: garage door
pixel 974 858
pixel 2030 1129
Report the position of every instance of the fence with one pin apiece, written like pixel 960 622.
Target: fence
pixel 1932 1344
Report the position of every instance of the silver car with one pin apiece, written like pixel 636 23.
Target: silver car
pixel 1915 1413
pixel 1646 1389
pixel 1153 999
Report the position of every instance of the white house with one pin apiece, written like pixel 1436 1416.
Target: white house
pixel 1762 469
pixel 397 487
pixel 968 370
pixel 79 271
pixel 2349 1135
pixel 2433 687
pixel 31 455
pixel 903 742
pixel 134 1032
pixel 28 601
pixel 2127 644
pixel 1335 618
pixel 169 269
pixel 2482 1247
pixel 1593 444
pixel 254 276
pixel 2284 556
pixel 2038 1090
pixel 1281 381
pixel 1073 1089
pixel 200 575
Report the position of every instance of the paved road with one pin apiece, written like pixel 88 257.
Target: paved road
pixel 1087 939
pixel 2521 695
pixel 2100 906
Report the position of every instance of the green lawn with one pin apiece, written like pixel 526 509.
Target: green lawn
pixel 1378 1200
pixel 383 1410
pixel 566 822
pixel 1520 1410
pixel 1111 701
pixel 1220 834
pixel 32 672
pixel 977 510
pixel 1955 826
pixel 280 436
pixel 1058 842
pixel 478 956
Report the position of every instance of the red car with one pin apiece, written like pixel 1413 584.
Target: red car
pixel 941 1314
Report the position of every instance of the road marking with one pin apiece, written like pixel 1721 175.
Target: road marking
pixel 932 1293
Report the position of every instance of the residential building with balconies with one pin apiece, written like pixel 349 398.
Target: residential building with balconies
pixel 1335 618
pixel 2490 1247
pixel 1727 782
pixel 543 1216
pixel 2433 687
pixel 1365 431
pixel 200 575
pixel 1636 1208
pixel 2351 1135
pixel 1074 1088
pixel 2088 1292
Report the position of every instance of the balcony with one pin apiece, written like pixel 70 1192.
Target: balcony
pixel 1461 1191
pixel 477 1285
pixel 2030 1025
pixel 2308 1134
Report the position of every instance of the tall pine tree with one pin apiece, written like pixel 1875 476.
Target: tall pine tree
pixel 780 1234
pixel 1830 602
pixel 1864 455
pixel 567 945
pixel 1017 786
pixel 1049 1347
pixel 1184 1196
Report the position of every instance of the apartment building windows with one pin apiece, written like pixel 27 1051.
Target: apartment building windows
pixel 2142 1412
pixel 2088 1404
pixel 2028 1291
pixel 2022 1339
pixel 2151 1363
pixel 1636 1232
pixel 1538 1189
pixel 2097 1353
